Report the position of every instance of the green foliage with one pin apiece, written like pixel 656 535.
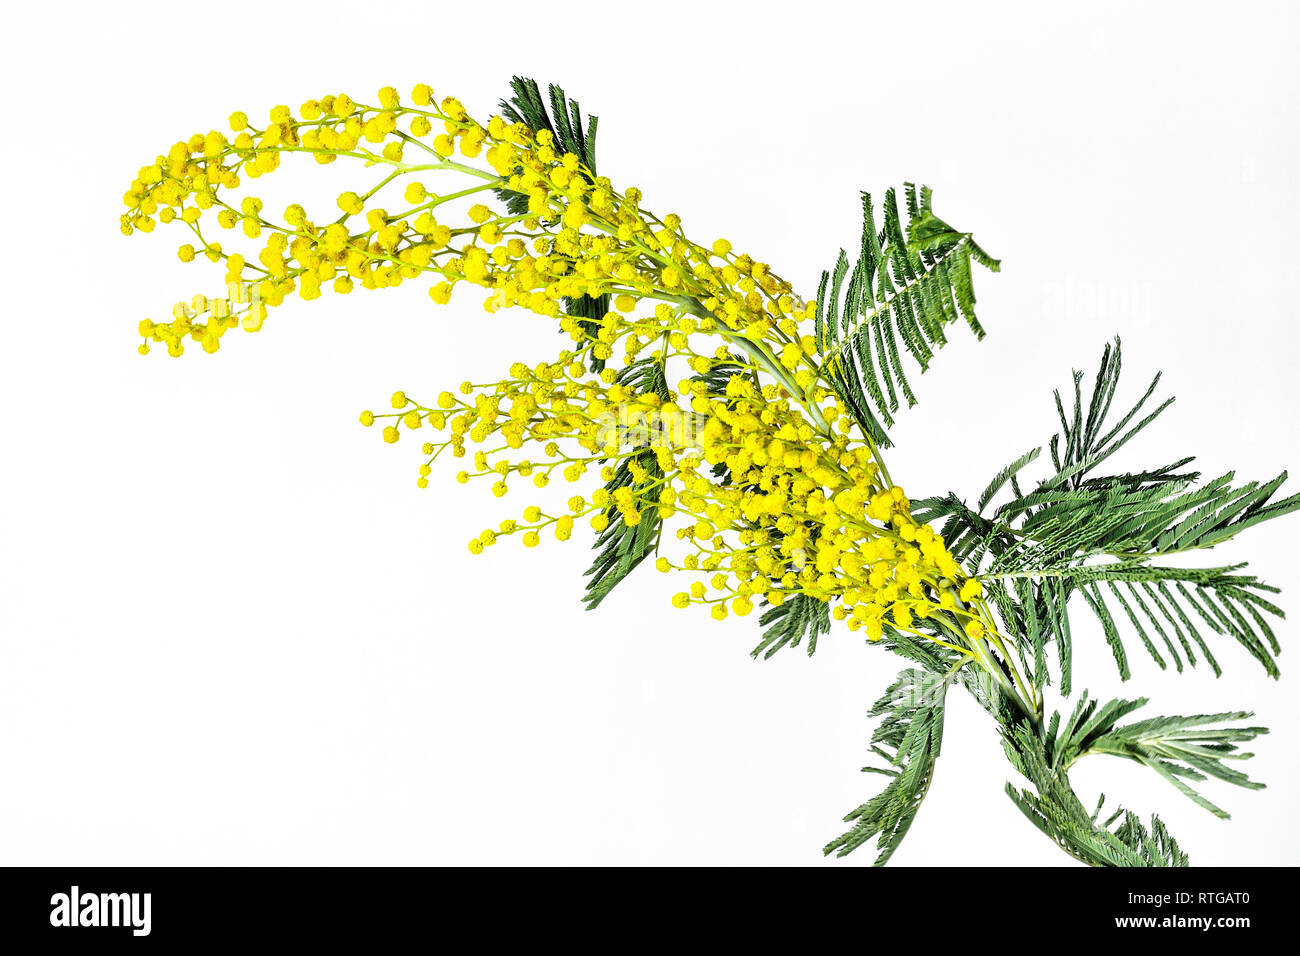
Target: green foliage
pixel 1102 538
pixel 1178 748
pixel 789 622
pixel 1055 809
pixel 909 285
pixel 1099 536
pixel 1184 748
pixel 621 547
pixel 907 739
pixel 564 120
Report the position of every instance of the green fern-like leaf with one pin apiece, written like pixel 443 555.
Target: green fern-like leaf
pixel 789 623
pixel 622 547
pixel 908 284
pixel 1179 749
pixel 908 740
pixel 1101 537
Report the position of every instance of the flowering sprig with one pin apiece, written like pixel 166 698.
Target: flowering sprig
pixel 764 462
pixel 837 528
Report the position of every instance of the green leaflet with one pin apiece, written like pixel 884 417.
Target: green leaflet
pixel 1178 748
pixel 907 739
pixel 564 119
pixel 788 623
pixel 909 284
pixel 1185 748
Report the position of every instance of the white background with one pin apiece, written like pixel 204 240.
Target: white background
pixel 235 632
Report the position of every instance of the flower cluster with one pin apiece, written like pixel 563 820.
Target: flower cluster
pixel 798 511
pixel 766 480
pixel 578 237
